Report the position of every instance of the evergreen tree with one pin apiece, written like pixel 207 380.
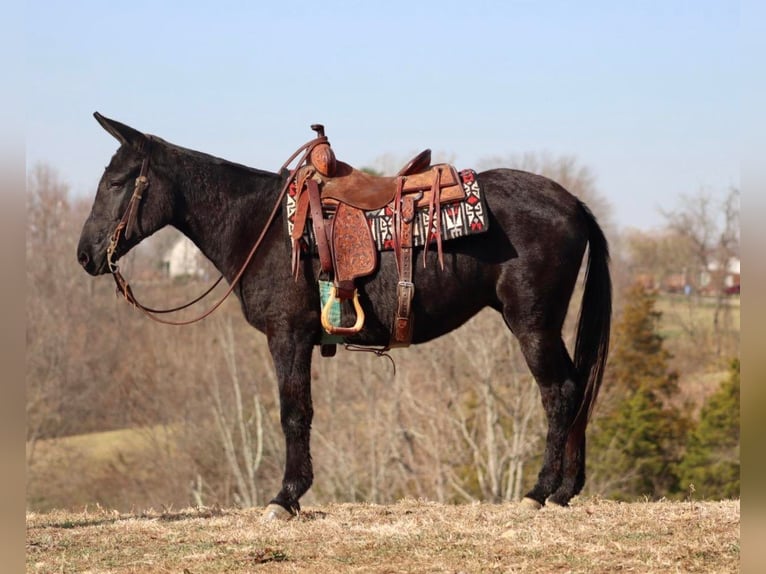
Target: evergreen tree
pixel 637 435
pixel 711 462
pixel 637 356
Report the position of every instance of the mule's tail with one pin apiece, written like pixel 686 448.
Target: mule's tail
pixel 594 324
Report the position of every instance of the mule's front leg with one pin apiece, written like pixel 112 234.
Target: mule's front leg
pixel 292 360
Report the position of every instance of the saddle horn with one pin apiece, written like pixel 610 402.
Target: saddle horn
pixel 322 157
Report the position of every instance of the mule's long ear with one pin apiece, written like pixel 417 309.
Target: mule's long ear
pixel 124 134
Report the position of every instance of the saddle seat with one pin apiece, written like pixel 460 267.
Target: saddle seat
pixel 357 188
pixel 365 191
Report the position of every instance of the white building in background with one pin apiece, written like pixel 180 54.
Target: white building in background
pixel 731 273
pixel 183 259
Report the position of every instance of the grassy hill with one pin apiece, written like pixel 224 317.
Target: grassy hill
pixel 74 471
pixel 592 536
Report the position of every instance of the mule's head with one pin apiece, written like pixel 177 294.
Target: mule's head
pixel 152 211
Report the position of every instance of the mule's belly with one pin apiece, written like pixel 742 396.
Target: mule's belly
pixel 444 298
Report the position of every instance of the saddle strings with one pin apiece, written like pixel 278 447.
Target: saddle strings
pixel 379 351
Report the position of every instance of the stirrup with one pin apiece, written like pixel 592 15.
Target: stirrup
pixel 343 331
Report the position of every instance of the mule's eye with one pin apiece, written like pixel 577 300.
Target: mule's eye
pixel 116 184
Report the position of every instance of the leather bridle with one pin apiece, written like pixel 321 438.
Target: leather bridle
pixel 127 223
pixel 127 227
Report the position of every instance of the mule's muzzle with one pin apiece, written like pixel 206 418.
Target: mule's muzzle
pixel 93 260
pixel 83 259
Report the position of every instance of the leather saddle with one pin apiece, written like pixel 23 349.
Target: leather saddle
pixel 335 196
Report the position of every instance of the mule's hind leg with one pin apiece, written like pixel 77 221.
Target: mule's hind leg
pixel 292 360
pixel 574 467
pixel 561 394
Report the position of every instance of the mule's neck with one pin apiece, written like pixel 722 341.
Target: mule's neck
pixel 221 206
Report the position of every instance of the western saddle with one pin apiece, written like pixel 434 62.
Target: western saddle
pixel 335 196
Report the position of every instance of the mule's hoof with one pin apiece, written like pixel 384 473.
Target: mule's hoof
pixel 530 503
pixel 276 512
pixel 553 504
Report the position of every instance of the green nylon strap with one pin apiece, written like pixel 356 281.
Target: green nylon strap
pixel 324 294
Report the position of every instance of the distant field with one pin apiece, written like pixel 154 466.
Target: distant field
pixel 700 354
pixel 592 536
pixel 75 471
pixel 100 446
pixel 681 314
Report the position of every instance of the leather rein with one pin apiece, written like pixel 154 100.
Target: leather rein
pixel 126 227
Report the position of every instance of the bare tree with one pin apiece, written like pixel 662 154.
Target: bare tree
pixel 501 426
pixel 711 226
pixel 240 427
pixel 656 258
pixel 48 284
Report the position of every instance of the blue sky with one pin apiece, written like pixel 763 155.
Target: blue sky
pixel 645 94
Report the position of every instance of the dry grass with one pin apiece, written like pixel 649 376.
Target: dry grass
pixel 412 536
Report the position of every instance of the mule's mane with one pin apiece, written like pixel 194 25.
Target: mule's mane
pixel 202 157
